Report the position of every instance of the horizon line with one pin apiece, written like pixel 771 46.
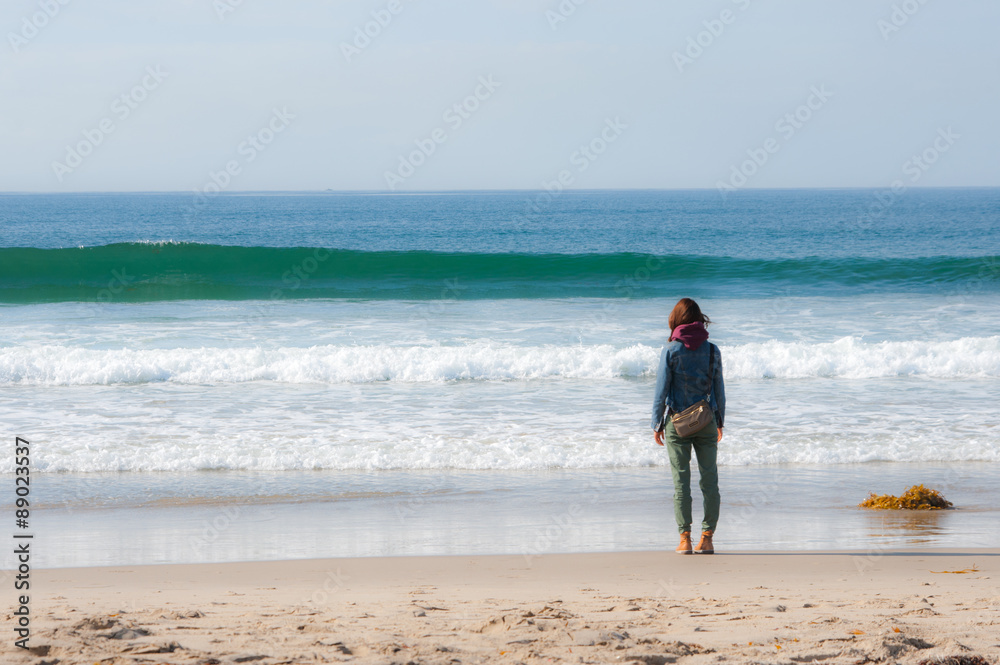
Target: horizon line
pixel 477 191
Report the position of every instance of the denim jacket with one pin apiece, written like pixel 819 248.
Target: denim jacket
pixel 682 379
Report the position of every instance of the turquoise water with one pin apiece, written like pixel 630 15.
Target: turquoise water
pixel 138 248
pixel 752 224
pixel 149 338
pixel 151 271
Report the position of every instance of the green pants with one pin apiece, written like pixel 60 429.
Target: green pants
pixel 705 444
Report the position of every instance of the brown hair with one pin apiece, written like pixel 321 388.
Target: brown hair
pixel 686 311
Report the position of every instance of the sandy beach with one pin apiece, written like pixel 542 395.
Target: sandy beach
pixel 645 607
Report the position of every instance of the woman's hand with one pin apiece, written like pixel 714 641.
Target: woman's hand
pixel 658 436
pixel 720 435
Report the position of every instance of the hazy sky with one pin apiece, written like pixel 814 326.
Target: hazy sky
pixel 110 95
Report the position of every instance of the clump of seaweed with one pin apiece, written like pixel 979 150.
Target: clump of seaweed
pixel 917 497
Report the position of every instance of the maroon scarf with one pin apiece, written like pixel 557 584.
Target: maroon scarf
pixel 690 335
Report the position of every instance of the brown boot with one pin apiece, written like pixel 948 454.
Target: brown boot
pixel 705 546
pixel 685 546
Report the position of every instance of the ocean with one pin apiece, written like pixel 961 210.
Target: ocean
pixel 400 368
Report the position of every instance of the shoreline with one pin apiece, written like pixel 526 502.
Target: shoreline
pixel 876 551
pixel 220 517
pixel 652 607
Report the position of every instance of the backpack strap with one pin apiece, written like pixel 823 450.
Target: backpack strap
pixel 711 371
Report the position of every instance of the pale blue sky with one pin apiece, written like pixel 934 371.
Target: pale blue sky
pixel 609 64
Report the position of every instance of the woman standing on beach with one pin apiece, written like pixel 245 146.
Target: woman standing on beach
pixel 690 369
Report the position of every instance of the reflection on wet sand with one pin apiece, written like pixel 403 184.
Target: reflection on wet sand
pixel 915 527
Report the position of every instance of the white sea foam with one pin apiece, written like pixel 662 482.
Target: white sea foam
pixel 330 449
pixel 849 357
